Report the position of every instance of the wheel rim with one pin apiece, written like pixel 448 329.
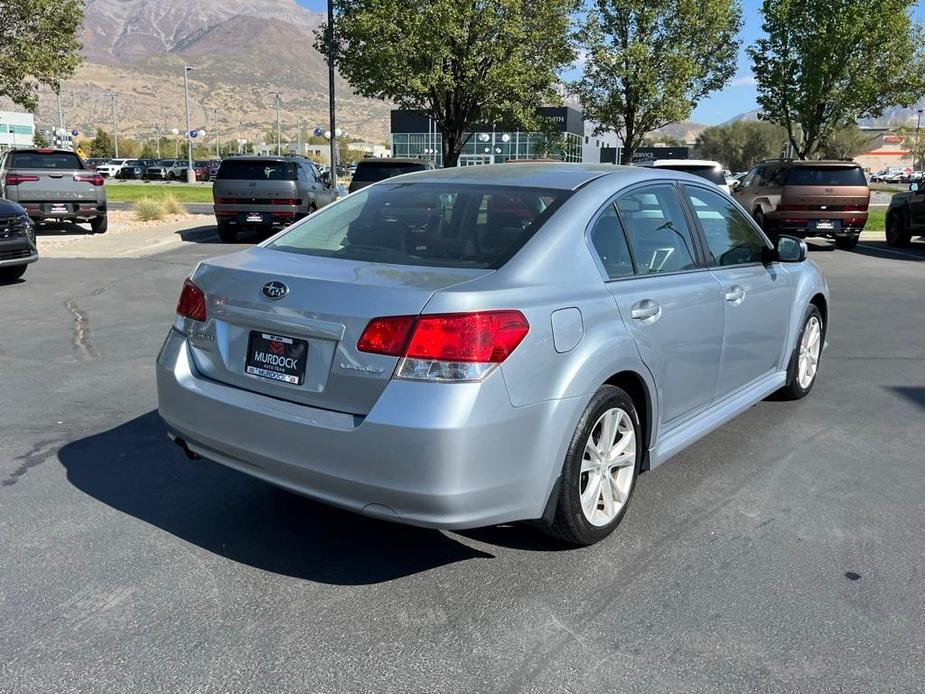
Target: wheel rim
pixel 607 467
pixel 810 347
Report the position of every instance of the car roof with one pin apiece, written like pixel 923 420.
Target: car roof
pixel 393 160
pixel 682 162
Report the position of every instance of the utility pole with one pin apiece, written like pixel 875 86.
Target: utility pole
pixel 157 135
pixel 300 135
pixel 279 144
pixel 61 118
pixel 115 132
pixel 215 129
pixel 190 173
pixel 331 124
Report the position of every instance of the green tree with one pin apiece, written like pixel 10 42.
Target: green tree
pixel 101 145
pixel 650 62
pixel 822 65
pixel 38 46
pixel 459 62
pixel 741 144
pixel 846 143
pixel 39 139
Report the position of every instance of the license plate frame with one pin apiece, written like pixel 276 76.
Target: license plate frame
pixel 825 225
pixel 58 208
pixel 253 217
pixel 276 358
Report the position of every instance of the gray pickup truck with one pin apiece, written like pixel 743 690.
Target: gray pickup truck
pixel 54 185
pixel 266 192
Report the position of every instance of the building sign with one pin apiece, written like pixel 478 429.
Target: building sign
pixel 649 153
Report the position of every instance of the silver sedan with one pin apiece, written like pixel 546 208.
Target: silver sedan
pixel 482 345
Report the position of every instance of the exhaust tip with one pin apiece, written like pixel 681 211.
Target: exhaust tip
pixel 186 449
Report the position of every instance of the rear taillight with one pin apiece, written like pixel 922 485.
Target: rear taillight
pixel 94 179
pixel 192 303
pixel 449 347
pixel 284 201
pixel 15 179
pixel 225 201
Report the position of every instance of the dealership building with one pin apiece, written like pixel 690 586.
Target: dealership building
pixel 416 136
pixel 16 129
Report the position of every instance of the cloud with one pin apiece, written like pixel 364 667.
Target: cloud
pixel 743 81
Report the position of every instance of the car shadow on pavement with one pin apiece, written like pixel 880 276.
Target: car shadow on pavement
pixel 915 252
pixel 135 469
pixel 209 234
pixel 61 229
pixel 915 394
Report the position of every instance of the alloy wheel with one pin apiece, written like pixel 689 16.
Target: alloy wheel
pixel 607 467
pixel 810 347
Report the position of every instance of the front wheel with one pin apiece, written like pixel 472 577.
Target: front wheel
pixel 600 469
pixel 846 243
pixel 897 234
pixel 804 362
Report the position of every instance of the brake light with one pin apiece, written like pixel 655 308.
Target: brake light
pixel 15 179
pixel 224 201
pixel 448 347
pixel 94 179
pixel 192 303
pixel 284 201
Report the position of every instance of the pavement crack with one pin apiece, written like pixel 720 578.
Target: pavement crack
pixel 80 330
pixel 40 452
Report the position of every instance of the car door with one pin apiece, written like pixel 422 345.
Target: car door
pixel 915 205
pixel 755 292
pixel 670 304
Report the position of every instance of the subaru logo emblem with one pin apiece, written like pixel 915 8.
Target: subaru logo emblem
pixel 275 290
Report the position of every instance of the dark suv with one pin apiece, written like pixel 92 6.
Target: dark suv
pixel 17 241
pixel 371 170
pixel 807 198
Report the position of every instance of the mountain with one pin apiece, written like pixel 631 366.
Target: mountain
pixel 685 131
pixel 243 51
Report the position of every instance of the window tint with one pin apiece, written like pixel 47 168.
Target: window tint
pixel 610 244
pixel 51 160
pixel 256 170
pixel 432 224
pixel 657 230
pixel 730 237
pixel 826 176
pixel 372 171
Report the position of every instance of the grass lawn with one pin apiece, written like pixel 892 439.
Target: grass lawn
pixel 876 219
pixel 130 192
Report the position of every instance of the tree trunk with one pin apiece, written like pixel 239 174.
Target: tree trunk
pixel 454 138
pixel 629 143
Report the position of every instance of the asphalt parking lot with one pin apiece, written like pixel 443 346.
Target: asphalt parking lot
pixel 785 552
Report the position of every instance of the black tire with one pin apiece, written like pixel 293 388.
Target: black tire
pixel 793 390
pixel 228 233
pixel 170 176
pixel 846 243
pixel 897 233
pixel 99 225
pixel 569 522
pixel 11 274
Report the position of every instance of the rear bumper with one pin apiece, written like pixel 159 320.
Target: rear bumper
pixel 277 215
pixel 434 455
pixel 803 225
pixel 83 210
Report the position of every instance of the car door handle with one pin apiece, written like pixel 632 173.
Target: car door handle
pixel 735 295
pixel 646 311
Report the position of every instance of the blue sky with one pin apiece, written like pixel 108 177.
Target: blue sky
pixel 738 97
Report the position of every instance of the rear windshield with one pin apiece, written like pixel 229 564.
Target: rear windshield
pixel 433 224
pixel 372 171
pixel 52 160
pixel 711 173
pixel 826 176
pixel 256 170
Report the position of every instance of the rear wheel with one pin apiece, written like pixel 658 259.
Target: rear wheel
pixel 896 232
pixel 11 274
pixel 99 225
pixel 227 232
pixel 846 243
pixel 804 362
pixel 600 469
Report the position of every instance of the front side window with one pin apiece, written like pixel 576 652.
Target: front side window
pixel 657 230
pixel 731 238
pixel 432 224
pixel 610 243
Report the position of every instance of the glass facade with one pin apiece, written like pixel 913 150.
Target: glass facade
pixel 490 147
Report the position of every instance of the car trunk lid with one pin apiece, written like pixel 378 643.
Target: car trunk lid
pixel 327 303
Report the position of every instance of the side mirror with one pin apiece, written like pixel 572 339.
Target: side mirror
pixel 735 185
pixel 326 178
pixel 915 186
pixel 790 249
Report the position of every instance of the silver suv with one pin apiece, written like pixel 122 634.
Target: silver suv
pixel 266 192
pixel 54 185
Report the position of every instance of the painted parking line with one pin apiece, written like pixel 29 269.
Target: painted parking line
pixel 890 250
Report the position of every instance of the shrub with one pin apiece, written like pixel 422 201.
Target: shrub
pixel 147 209
pixel 171 205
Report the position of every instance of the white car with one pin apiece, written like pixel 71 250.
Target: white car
pixel 711 170
pixel 112 168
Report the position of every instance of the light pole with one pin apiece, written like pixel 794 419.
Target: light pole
pixel 299 135
pixel 331 125
pixel 60 115
pixel 215 129
pixel 190 173
pixel 115 131
pixel 157 135
pixel 918 124
pixel 278 140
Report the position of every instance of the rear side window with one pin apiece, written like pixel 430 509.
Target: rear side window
pixel 52 160
pixel 610 243
pixel 434 224
pixel 657 230
pixel 711 173
pixel 826 176
pixel 731 238
pixel 370 172
pixel 256 170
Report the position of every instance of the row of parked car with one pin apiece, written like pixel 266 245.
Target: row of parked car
pixel 154 169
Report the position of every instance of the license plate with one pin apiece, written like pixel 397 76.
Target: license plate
pixel 253 217
pixel 59 209
pixel 824 224
pixel 276 357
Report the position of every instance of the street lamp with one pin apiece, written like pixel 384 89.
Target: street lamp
pixel 190 174
pixel 115 133
pixel 278 140
pixel 332 126
pixel 918 124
